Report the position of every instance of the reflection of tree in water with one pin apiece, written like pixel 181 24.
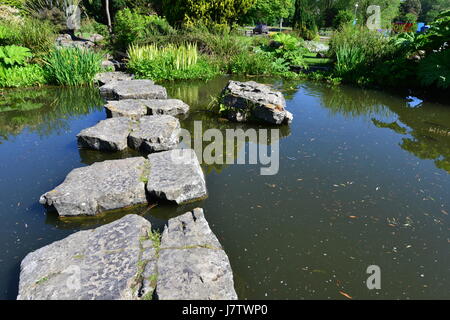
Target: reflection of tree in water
pixel 352 102
pixel 427 135
pixel 44 111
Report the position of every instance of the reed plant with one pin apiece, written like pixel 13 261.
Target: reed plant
pixel 72 66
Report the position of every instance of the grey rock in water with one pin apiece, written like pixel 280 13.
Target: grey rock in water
pixel 155 133
pixel 176 176
pixel 133 109
pixel 100 187
pixel 101 264
pixel 147 134
pixel 252 101
pixel 192 263
pixel 172 107
pixel 133 89
pixel 107 77
pixel 107 135
pixel 136 108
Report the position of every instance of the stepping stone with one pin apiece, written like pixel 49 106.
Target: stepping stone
pixel 107 135
pixel 148 134
pixel 252 101
pixel 137 108
pixel 132 109
pixel 107 77
pixel 176 176
pixel 123 260
pixel 100 187
pixel 155 133
pixel 101 264
pixel 133 89
pixel 192 263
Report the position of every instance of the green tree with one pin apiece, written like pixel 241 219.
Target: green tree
pixel 224 12
pixel 269 11
pixel 432 8
pixel 304 20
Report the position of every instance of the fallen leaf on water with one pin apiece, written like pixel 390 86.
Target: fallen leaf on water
pixel 444 212
pixel 345 295
pixel 353 217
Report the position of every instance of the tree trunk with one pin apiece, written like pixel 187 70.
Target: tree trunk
pixel 108 15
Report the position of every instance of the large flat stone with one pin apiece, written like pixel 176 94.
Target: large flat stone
pixel 100 187
pixel 192 263
pixel 147 134
pixel 107 135
pixel 104 263
pixel 136 108
pixel 175 177
pixel 133 109
pixel 133 89
pixel 252 101
pixel 155 133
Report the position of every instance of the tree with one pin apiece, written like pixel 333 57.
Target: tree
pixel 269 11
pixel 432 8
pixel 224 12
pixel 304 20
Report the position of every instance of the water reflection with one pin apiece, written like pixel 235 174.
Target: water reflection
pixel 44 111
pixel 424 128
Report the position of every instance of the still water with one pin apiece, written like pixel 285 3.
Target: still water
pixel 363 180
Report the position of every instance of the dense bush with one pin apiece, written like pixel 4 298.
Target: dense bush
pixel 132 27
pixel 434 70
pixel 22 76
pixel 38 36
pixel 72 66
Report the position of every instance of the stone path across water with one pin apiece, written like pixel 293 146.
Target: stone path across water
pixel 136 108
pixel 147 134
pixel 133 89
pixel 126 260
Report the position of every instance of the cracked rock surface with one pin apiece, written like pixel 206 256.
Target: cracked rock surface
pixel 177 176
pixel 148 134
pixel 252 101
pixel 100 187
pixel 133 89
pixel 122 260
pixel 107 135
pixel 99 264
pixel 155 133
pixel 192 263
pixel 136 108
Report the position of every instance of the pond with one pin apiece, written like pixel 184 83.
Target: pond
pixel 363 180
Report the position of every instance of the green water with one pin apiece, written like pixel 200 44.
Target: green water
pixel 363 180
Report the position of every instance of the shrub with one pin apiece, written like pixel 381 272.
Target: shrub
pixel 357 51
pixel 134 28
pixel 343 18
pixel 169 63
pixel 435 70
pixel 72 66
pixel 22 76
pixel 14 55
pixel 258 63
pixel 38 36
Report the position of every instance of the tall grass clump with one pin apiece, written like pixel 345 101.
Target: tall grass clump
pixel 357 51
pixel 72 66
pixel 171 62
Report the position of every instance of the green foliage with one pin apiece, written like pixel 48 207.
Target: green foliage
pixel 22 76
pixel 438 34
pixel 38 36
pixel 343 18
pixel 435 70
pixel 257 63
pixel 14 55
pixel 357 51
pixel 132 27
pixel 269 12
pixel 90 26
pixel 209 12
pixel 289 49
pixel 72 66
pixel 169 63
pixel 304 20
